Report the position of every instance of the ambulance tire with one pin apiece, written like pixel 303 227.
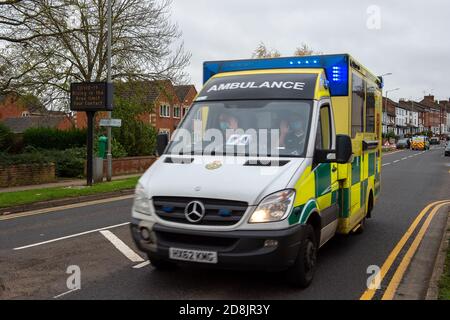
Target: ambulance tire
pixel 301 274
pixel 361 227
pixel 161 265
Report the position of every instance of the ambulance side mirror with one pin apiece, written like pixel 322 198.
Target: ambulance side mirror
pixel 344 149
pixel 162 140
pixel 341 155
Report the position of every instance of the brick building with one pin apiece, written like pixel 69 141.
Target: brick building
pixel 186 95
pixel 389 115
pixel 432 116
pixel 21 114
pixel 11 106
pixel 444 116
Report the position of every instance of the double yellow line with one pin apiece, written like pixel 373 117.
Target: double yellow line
pixel 389 293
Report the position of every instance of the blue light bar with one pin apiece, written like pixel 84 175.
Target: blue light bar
pixel 336 68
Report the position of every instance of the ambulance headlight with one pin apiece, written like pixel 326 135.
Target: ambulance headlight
pixel 141 201
pixel 275 207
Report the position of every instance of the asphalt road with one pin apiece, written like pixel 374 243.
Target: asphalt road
pixel 411 180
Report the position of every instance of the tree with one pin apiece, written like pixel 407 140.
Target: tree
pixel 64 41
pixel 130 104
pixel 262 52
pixel 305 50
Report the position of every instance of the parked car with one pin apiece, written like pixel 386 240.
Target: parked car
pixel 447 150
pixel 402 144
pixel 435 141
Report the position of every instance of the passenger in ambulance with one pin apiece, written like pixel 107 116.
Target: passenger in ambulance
pixel 292 135
pixel 228 122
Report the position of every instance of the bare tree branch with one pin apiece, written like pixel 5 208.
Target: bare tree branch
pixel 51 43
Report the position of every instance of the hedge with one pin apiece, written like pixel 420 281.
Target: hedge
pixel 68 163
pixel 6 137
pixel 54 139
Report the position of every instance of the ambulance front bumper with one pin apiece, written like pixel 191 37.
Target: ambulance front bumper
pixel 271 250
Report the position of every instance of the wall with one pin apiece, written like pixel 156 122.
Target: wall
pixel 126 166
pixel 9 108
pixel 26 174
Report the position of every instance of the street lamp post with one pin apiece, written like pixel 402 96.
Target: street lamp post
pixel 109 76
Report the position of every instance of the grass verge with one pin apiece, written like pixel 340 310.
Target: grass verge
pixel 10 199
pixel 444 284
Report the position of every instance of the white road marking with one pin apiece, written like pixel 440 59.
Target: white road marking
pixel 405 158
pixel 121 246
pixel 386 164
pixel 65 293
pixel 71 236
pixel 396 161
pixel 142 265
pixel 62 208
pixel 388 154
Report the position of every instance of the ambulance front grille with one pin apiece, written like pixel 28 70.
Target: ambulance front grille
pixel 218 212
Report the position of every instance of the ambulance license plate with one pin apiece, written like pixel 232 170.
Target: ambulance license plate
pixel 193 255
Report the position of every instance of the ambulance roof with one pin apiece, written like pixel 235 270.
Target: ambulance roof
pixel 336 68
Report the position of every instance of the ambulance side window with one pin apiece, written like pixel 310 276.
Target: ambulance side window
pixel 323 137
pixel 370 108
pixel 358 102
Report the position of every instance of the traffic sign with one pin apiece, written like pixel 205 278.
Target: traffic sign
pixel 114 123
pixel 91 96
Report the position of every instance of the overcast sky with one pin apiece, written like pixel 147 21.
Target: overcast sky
pixel 411 39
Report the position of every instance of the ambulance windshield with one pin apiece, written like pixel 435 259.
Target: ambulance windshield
pixel 245 128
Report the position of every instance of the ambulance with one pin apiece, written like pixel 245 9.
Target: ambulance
pixel 274 158
pixel 420 143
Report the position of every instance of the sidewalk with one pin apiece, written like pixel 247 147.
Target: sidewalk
pixel 421 279
pixel 62 183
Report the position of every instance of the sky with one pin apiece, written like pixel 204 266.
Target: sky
pixel 410 39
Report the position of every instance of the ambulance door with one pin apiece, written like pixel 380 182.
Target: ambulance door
pixel 326 174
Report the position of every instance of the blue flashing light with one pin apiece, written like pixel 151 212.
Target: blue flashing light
pixel 168 209
pixel 225 213
pixel 336 68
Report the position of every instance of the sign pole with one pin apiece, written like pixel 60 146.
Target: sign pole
pixel 109 152
pixel 91 97
pixel 90 148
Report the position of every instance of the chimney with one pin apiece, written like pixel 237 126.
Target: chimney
pixel 429 98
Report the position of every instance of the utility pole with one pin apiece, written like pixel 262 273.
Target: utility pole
pixel 109 80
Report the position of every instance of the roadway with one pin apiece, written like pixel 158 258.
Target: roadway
pixel 37 248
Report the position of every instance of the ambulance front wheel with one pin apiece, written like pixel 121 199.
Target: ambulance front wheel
pixel 302 272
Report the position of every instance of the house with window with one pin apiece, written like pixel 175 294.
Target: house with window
pixel 186 95
pixel 412 116
pixel 401 120
pixel 170 104
pixel 432 114
pixel 389 108
pixel 448 118
pixel 445 110
pixel 21 113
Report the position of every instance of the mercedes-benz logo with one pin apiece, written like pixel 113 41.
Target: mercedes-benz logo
pixel 195 211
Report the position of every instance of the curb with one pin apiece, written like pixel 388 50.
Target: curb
pixel 63 202
pixel 421 279
pixel 438 270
